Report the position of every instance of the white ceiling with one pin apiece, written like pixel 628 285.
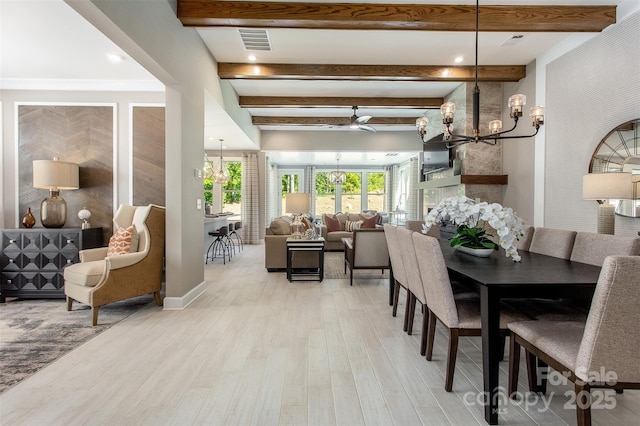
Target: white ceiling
pixel 46 45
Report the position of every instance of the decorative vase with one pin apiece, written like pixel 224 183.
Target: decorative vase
pixel 478 252
pixel 28 220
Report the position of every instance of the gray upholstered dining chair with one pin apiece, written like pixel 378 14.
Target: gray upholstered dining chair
pixel 607 344
pixel 414 282
pixel 593 248
pixel 553 242
pixel 397 267
pixel 460 316
pixel 524 242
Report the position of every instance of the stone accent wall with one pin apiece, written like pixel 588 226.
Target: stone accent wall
pixel 476 159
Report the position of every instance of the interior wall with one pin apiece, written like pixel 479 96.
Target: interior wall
pixel 339 141
pixel 590 90
pixel 77 134
pixel 152 35
pixel 148 140
pixel 121 152
pixel 518 155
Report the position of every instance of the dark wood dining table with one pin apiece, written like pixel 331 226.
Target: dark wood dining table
pixel 497 277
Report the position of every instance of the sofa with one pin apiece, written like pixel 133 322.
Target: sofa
pixel 275 250
pixel 335 227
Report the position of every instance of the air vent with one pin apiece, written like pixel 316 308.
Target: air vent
pixel 514 39
pixel 254 39
pixel 391 154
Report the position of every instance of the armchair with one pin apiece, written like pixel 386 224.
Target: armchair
pixel 367 249
pixel 100 279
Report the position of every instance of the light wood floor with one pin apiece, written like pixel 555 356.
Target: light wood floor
pixel 256 349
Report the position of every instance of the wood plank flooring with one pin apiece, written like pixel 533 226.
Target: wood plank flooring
pixel 256 349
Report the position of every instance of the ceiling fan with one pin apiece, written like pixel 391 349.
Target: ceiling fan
pixel 360 122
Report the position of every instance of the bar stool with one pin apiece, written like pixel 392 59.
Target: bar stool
pixel 219 246
pixel 231 229
pixel 237 225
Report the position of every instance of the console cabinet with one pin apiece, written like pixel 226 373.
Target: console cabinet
pixel 32 261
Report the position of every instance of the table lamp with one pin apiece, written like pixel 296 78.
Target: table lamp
pixel 607 186
pixel 297 204
pixel 54 175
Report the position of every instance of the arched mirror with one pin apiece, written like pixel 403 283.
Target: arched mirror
pixel 619 151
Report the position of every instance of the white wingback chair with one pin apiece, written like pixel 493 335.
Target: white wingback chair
pixel 100 279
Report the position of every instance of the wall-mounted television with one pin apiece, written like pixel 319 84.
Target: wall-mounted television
pixel 436 156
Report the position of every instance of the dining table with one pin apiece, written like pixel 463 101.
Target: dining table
pixel 498 277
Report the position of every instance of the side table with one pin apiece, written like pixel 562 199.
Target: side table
pixel 299 245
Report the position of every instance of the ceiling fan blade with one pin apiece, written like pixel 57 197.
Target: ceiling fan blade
pixel 367 128
pixel 363 119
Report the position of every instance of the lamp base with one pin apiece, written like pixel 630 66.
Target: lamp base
pixel 606 219
pixel 53 210
pixel 297 228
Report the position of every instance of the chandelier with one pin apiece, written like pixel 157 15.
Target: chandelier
pixel 221 173
pixel 337 177
pixel 516 104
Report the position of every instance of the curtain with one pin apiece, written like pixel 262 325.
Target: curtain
pixel 388 188
pixel 310 186
pixel 271 188
pixel 250 199
pixel 413 203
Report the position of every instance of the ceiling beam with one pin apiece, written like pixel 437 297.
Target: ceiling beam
pixel 499 73
pixel 329 121
pixel 336 102
pixel 374 16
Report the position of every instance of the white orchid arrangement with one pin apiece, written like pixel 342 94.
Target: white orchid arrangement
pixel 467 215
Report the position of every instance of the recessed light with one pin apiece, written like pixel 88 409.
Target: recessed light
pixel 114 57
pixel 458 59
pixel 252 58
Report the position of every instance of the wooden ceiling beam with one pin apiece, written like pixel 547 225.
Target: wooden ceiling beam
pixel 336 102
pixel 497 73
pixel 329 121
pixel 374 16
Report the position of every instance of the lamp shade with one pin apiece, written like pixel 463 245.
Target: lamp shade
pixel 56 175
pixel 607 186
pixel 297 203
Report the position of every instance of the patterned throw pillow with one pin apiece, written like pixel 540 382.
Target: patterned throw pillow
pixel 124 241
pixel 369 222
pixel 351 225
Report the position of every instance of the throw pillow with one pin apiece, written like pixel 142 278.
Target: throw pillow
pixel 369 222
pixel 332 223
pixel 306 222
pixel 280 226
pixel 351 226
pixel 123 241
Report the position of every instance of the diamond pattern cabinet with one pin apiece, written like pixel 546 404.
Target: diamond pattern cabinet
pixel 32 260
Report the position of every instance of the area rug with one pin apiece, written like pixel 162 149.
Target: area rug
pixel 334 268
pixel 34 333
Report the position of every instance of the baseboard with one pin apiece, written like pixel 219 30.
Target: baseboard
pixel 179 303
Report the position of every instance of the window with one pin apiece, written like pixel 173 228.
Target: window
pixel 351 194
pixel 375 191
pixel 325 194
pixel 355 195
pixel 290 181
pixel 232 190
pixel 230 198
